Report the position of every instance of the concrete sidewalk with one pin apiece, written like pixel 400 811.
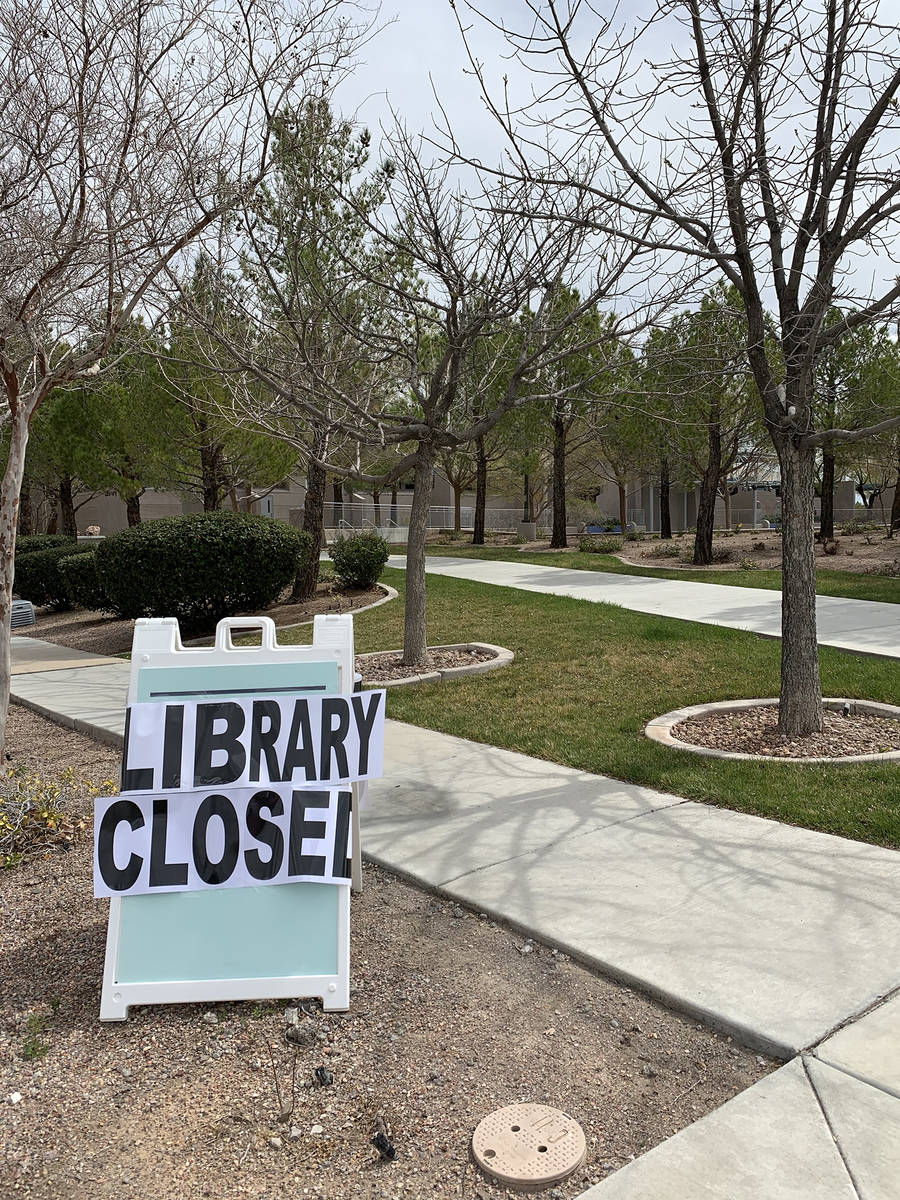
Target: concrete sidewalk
pixel 864 626
pixel 781 935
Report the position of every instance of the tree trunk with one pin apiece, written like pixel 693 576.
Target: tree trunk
pixel 133 509
pixel 209 476
pixel 415 643
pixel 307 577
pixel 26 514
pixel 726 499
pixel 800 711
pixel 826 522
pixel 480 493
pixel 67 507
pixel 394 504
pixel 558 540
pixel 9 514
pixel 376 503
pixel 337 503
pixel 526 500
pixel 867 498
pixel 895 503
pixel 457 507
pixel 665 489
pixel 623 508
pixel 709 488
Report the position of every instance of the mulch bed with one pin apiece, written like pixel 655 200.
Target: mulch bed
pixel 389 665
pixel 452 1016
pixel 755 731
pixel 101 634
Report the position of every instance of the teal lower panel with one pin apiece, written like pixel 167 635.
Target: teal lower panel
pixel 239 933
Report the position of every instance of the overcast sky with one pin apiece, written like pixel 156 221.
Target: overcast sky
pixel 418 53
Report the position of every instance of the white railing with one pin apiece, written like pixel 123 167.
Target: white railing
pixel 362 515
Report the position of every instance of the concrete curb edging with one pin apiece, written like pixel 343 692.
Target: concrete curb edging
pixel 660 729
pixel 77 724
pixel 390 594
pixel 502 658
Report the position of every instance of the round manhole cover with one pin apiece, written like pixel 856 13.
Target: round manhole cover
pixel 529 1145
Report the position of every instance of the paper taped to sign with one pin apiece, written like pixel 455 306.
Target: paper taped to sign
pixel 242 741
pixel 205 840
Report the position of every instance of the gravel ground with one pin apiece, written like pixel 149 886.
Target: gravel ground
pixel 755 731
pixel 858 553
pixel 102 634
pixel 389 665
pixel 452 1016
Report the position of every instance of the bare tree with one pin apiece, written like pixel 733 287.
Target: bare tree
pixel 761 149
pixel 447 352
pixel 127 127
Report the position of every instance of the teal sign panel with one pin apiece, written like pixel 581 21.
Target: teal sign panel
pixel 245 933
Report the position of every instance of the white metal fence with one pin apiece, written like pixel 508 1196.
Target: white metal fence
pixel 365 515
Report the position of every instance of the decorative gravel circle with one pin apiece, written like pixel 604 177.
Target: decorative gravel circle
pixel 386 669
pixel 855 731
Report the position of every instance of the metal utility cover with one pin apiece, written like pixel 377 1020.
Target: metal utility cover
pixel 529 1146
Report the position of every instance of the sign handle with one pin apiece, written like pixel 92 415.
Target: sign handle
pixel 227 624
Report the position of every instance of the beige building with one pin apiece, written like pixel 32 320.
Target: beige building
pixel 356 509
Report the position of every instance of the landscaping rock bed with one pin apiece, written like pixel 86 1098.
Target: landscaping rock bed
pixel 452 1015
pixel 855 731
pixel 386 668
pixel 867 553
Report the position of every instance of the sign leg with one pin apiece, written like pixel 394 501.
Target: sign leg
pixel 360 794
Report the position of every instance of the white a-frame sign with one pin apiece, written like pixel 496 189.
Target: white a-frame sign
pixel 236 943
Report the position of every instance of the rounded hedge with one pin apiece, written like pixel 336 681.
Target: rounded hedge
pixel 31 543
pixel 359 559
pixel 38 577
pixel 79 574
pixel 199 568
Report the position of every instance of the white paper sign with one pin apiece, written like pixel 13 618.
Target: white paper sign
pixel 306 741
pixel 208 839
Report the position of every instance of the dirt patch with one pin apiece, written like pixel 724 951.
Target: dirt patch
pixel 101 634
pixel 755 731
pixel 443 537
pixel 452 1016
pixel 860 553
pixel 389 665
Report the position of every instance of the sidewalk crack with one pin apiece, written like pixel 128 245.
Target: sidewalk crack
pixel 893 993
pixel 831 1129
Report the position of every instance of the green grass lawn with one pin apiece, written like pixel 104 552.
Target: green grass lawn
pixel 829 583
pixel 587 677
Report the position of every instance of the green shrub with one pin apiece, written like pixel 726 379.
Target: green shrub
pixel 199 568
pixel 359 559
pixel 859 525
pixel 593 543
pixel 38 814
pixel 666 550
pixel 891 569
pixel 39 579
pixel 720 554
pixel 30 543
pixel 33 1045
pixel 79 573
